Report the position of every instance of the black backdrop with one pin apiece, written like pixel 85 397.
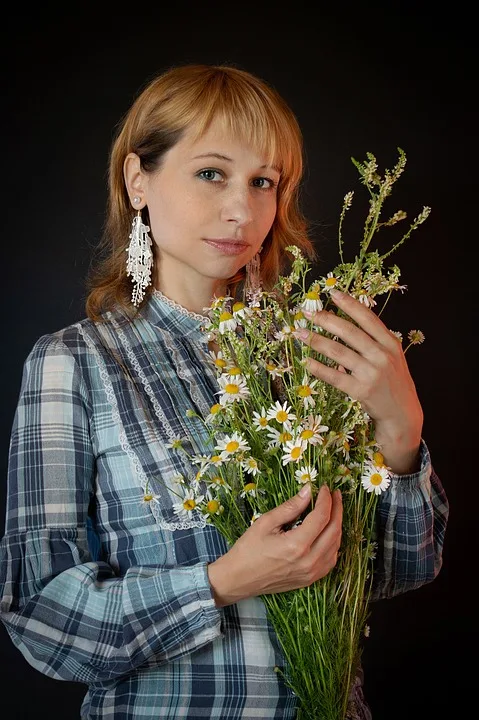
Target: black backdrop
pixel 362 81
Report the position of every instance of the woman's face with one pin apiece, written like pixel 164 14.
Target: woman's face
pixel 213 189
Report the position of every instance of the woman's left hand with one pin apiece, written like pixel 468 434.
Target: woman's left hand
pixel 376 374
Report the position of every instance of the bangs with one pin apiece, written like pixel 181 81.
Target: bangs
pixel 254 119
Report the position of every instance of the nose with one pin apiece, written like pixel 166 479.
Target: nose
pixel 237 207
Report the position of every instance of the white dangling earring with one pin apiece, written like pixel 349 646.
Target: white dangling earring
pixel 140 257
pixel 253 276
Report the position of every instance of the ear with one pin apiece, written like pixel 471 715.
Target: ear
pixel 134 180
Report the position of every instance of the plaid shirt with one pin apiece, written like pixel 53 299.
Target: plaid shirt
pixel 100 587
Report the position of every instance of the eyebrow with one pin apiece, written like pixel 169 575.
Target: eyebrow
pixel 225 157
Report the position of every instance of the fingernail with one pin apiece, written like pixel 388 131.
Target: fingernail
pixel 303 334
pixel 305 490
pixel 335 293
pixel 307 313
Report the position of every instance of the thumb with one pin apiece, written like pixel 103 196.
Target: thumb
pixel 290 509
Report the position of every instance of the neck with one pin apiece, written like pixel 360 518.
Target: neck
pixel 194 299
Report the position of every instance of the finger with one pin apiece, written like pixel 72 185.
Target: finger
pixel 288 511
pixel 365 317
pixel 316 520
pixel 342 354
pixel 331 535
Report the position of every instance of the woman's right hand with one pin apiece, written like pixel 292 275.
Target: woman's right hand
pixel 267 559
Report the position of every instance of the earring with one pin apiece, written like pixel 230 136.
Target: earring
pixel 140 257
pixel 253 276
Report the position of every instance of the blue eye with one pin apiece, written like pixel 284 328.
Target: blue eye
pixel 212 171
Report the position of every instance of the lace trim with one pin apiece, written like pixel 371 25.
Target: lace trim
pixel 125 445
pixel 185 525
pixel 176 306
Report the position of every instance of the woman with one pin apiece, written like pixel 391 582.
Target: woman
pixel 109 580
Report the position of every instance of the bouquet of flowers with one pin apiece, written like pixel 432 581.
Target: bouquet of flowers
pixel 275 428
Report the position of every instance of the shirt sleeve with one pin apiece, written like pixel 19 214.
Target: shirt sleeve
pixel 70 616
pixel 411 524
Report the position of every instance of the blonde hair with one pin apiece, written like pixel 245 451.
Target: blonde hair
pixel 184 98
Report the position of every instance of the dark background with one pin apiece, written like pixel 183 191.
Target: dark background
pixel 359 81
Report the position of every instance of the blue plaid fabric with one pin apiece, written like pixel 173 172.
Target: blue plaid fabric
pixel 101 588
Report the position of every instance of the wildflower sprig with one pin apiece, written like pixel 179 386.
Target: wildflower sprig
pixel 276 427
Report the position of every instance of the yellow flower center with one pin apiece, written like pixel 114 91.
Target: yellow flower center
pixel 304 391
pixel 212 506
pixel 298 316
pixel 249 487
pixel 234 371
pixel 218 480
pixel 215 458
pixel 312 295
pixel 232 446
pixel 296 453
pixel 263 421
pixel 231 388
pixel 378 458
pixel 189 504
pixel 331 282
pixel 198 475
pixel 225 316
pixel 305 477
pixel 238 306
pixel 270 367
pixel 285 436
pixel 306 434
pixel 346 445
pixel 281 416
pixel 148 497
pixel 376 479
pixel 215 408
pixel 219 362
pixel 252 463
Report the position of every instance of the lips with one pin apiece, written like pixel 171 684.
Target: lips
pixel 227 246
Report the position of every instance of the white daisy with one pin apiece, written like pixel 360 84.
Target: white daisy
pixel 232 444
pixel 260 421
pixel 312 302
pixel 366 300
pixel 250 489
pixel 250 465
pixel 227 322
pixel 293 451
pixel 281 413
pixel 176 443
pixel 311 430
pixel 299 320
pixel 213 507
pixel 329 282
pixel 232 389
pixel 203 461
pixel 149 497
pixel 185 507
pixel 218 482
pixel 284 333
pixel 214 413
pixel 306 391
pixel 218 359
pixel 416 337
pixel 306 474
pixel 239 310
pixel 233 371
pixel 279 437
pixel 375 478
